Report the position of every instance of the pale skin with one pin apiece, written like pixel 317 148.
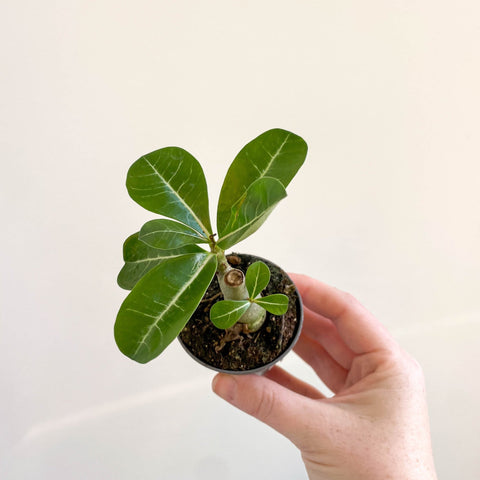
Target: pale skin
pixel 376 424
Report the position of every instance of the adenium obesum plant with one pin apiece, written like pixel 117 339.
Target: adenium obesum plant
pixel 166 269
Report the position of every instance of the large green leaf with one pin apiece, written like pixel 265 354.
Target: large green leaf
pixel 276 303
pixel 257 278
pixel 171 182
pixel 161 304
pixel 140 259
pixel 225 313
pixel 276 153
pixel 251 210
pixel 167 234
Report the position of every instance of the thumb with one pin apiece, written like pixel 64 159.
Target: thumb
pixel 284 410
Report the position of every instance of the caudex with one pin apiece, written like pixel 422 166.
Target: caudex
pixel 166 269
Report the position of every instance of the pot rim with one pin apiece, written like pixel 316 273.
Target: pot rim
pixel 264 368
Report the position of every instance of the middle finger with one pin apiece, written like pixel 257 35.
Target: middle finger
pixel 329 371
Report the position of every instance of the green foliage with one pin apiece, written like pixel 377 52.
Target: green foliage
pixel 276 154
pixel 161 303
pixel 251 210
pixel 167 234
pixel 226 313
pixel 141 258
pixel 165 269
pixel 171 182
pixel 257 278
pixel 277 304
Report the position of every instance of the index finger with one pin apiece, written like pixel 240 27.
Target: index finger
pixel 358 328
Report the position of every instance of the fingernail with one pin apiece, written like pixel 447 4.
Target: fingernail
pixel 225 386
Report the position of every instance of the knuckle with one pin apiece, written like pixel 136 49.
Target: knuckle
pixel 348 298
pixel 389 357
pixel 392 360
pixel 407 366
pixel 415 366
pixel 265 404
pixel 352 304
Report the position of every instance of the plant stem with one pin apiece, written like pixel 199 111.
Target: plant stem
pixel 232 284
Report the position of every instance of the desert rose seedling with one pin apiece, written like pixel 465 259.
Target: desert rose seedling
pixel 166 268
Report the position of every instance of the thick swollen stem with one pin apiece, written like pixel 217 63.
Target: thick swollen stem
pixel 232 285
pixel 253 317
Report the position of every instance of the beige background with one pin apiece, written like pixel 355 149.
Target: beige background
pixel 387 207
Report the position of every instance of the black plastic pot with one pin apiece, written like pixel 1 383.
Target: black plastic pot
pixel 193 332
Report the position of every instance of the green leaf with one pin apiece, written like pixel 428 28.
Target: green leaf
pixel 161 303
pixel 276 153
pixel 276 303
pixel 251 210
pixel 257 278
pixel 167 234
pixel 140 259
pixel 225 313
pixel 171 182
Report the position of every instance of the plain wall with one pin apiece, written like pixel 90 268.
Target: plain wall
pixel 386 207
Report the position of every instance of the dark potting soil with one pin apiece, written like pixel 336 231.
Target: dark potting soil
pixel 234 349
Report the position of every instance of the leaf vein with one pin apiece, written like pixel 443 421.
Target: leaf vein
pixel 189 209
pixel 173 302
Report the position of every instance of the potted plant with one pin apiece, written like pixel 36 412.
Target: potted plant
pixel 234 313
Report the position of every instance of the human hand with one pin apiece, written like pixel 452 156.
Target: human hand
pixel 376 424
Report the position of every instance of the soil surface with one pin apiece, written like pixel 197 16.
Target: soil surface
pixel 234 349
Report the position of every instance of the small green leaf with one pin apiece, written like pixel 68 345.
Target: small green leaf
pixel 257 278
pixel 161 304
pixel 167 234
pixel 140 259
pixel 225 313
pixel 276 303
pixel 171 182
pixel 276 153
pixel 251 210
